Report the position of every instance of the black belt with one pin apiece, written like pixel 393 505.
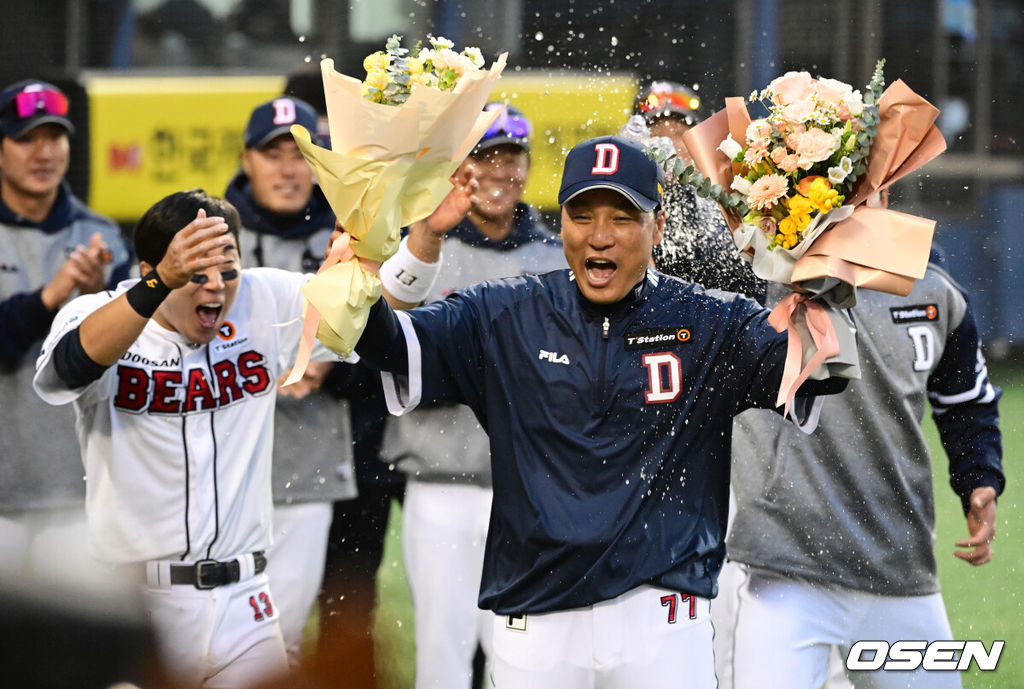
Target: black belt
pixel 208 574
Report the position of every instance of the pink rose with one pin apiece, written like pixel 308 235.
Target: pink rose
pixel 814 146
pixel 833 92
pixel 792 87
pixel 778 153
pixel 789 162
pixel 799 111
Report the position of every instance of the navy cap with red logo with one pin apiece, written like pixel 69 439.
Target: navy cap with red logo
pixel 275 117
pixel 613 162
pixel 30 103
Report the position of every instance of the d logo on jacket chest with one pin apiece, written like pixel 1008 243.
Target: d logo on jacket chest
pixel 664 377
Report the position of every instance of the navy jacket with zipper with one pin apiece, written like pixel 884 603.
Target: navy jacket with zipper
pixel 599 486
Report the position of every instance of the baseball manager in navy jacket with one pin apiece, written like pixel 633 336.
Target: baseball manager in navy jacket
pixel 608 392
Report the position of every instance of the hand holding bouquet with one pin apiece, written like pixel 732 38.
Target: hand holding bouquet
pixel 396 138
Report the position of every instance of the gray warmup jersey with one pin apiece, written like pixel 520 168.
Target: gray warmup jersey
pixel 40 461
pixel 445 443
pixel 852 504
pixel 313 435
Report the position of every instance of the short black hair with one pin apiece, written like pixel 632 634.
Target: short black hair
pixel 158 225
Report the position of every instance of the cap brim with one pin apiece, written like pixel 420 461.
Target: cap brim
pixel 33 122
pixel 519 141
pixel 636 198
pixel 281 131
pixel 689 117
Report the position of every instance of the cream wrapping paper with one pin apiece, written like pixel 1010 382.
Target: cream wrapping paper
pixel 388 167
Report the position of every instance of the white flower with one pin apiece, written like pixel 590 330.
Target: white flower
pixel 730 148
pixel 425 54
pixel 448 58
pixel 839 173
pixel 440 42
pixel 758 129
pixel 475 56
pixel 741 184
pixel 854 103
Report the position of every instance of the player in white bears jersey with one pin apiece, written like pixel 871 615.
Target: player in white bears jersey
pixel 172 379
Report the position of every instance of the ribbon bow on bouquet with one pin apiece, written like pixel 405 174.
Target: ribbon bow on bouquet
pixel 396 139
pixel 796 188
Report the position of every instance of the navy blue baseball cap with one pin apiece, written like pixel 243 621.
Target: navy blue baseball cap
pixel 613 162
pixel 30 103
pixel 510 128
pixel 275 117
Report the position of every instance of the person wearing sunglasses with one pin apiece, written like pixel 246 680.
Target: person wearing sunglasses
pixel 697 245
pixel 51 248
pixel 442 449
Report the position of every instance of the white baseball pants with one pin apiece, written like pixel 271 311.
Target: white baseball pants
pixel 647 637
pixel 295 565
pixel 784 629
pixel 444 529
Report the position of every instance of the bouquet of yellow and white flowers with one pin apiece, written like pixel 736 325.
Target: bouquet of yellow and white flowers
pixel 391 73
pixel 396 139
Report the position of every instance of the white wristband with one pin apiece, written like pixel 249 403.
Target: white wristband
pixel 406 277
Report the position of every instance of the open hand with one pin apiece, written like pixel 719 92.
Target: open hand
pixel 194 248
pixel 457 203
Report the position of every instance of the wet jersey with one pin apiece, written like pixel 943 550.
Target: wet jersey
pixel 610 426
pixel 176 437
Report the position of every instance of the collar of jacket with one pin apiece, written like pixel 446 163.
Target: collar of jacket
pixel 65 210
pixel 527 227
pixel 315 216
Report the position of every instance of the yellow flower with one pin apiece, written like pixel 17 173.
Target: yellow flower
pixel 378 61
pixel 822 196
pixel 377 79
pixel 415 66
pixel 798 205
pixel 793 224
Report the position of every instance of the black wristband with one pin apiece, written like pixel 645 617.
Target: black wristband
pixel 147 295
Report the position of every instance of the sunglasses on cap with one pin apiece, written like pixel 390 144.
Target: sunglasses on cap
pixel 669 99
pixel 510 125
pixel 29 103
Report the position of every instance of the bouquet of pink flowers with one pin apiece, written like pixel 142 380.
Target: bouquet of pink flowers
pixel 795 184
pixel 802 159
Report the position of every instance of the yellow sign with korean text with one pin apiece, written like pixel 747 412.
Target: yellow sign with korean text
pixel 152 136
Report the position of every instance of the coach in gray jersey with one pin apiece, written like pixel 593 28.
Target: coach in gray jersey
pixel 833 537
pixel 52 247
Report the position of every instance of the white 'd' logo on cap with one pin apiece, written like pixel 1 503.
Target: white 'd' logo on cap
pixel 284 111
pixel 607 159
